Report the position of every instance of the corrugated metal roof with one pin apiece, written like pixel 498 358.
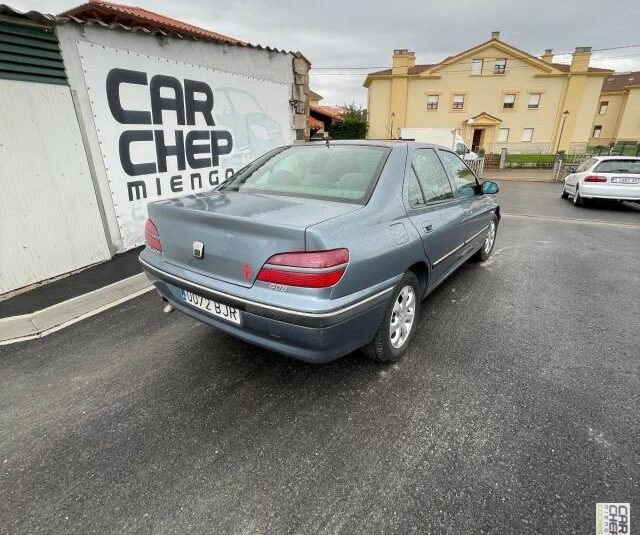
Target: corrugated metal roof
pixel 44 18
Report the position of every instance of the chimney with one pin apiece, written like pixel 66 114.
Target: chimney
pixel 580 59
pixel 495 35
pixel 403 60
pixel 547 57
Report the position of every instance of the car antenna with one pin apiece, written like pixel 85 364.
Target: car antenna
pixel 326 138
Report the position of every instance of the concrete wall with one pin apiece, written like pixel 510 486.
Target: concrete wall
pixel 262 64
pixel 609 120
pixel 379 100
pixel 629 129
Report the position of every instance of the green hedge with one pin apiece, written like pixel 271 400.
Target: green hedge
pixel 531 158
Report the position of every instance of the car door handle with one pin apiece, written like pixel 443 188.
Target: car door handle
pixel 428 227
pixel 468 211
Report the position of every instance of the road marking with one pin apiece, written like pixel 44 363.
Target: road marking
pixel 572 220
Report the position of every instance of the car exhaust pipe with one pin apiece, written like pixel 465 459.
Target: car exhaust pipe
pixel 168 308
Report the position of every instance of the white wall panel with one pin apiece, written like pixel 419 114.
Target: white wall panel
pixel 49 219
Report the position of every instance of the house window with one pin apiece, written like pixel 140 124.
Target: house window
pixel 534 101
pixel 597 130
pixel 527 134
pixel 500 66
pixel 476 66
pixel 458 102
pixel 503 135
pixel 432 102
pixel 509 101
pixel 603 107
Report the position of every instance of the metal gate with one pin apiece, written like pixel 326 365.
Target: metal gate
pixel 50 223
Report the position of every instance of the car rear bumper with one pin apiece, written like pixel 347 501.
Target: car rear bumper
pixel 610 191
pixel 311 336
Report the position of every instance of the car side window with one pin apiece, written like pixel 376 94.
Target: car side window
pixel 465 180
pixel 432 177
pixel 415 192
pixel 585 165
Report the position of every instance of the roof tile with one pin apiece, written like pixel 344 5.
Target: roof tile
pixel 137 16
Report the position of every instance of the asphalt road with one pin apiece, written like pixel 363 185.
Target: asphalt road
pixel 515 411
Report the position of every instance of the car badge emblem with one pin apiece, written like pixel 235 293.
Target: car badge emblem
pixel 198 249
pixel 246 272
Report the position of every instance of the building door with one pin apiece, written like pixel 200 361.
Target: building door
pixel 476 142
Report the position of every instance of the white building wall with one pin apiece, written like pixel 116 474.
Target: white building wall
pixel 49 216
pixel 261 64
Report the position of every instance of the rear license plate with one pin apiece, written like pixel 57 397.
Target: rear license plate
pixel 625 180
pixel 219 310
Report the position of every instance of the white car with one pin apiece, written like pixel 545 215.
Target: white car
pixel 604 177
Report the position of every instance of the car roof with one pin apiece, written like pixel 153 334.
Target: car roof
pixel 376 142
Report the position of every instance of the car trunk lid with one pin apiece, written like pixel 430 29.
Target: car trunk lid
pixel 239 231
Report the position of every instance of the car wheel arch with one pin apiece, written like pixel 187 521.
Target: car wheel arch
pixel 421 271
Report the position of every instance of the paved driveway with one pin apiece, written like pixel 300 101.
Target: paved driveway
pixel 515 411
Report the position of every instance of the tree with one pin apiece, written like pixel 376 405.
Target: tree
pixel 353 126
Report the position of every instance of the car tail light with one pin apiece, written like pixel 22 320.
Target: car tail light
pixel 595 178
pixel 314 269
pixel 152 236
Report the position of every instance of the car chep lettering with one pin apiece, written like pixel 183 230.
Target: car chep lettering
pixel 181 147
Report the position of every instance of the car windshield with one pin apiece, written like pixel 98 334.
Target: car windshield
pixel 623 167
pixel 337 173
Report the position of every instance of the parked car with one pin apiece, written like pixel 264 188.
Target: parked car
pixel 604 177
pixel 316 250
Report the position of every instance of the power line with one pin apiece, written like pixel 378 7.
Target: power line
pixel 555 54
pixel 454 71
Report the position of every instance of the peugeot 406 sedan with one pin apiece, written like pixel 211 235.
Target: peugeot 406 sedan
pixel 604 177
pixel 316 250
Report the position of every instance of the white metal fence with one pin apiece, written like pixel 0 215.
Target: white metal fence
pixel 477 166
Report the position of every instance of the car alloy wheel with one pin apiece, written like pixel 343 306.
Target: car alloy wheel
pixel 399 323
pixel 491 237
pixel 402 317
pixel 577 200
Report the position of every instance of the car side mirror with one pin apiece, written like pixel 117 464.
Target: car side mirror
pixel 489 187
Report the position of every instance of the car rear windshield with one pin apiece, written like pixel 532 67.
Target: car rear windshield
pixel 337 172
pixel 623 167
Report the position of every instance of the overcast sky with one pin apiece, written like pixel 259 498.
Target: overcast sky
pixel 363 33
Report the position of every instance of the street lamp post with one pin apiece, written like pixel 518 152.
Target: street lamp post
pixel 565 114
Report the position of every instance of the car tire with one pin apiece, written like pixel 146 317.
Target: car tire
pixel 577 199
pixel 564 193
pixel 389 345
pixel 489 242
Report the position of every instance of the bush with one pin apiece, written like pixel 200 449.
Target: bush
pixel 353 125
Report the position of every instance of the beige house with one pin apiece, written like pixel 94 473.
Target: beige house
pixel 618 115
pixel 495 95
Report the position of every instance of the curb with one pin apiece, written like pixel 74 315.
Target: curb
pixel 42 322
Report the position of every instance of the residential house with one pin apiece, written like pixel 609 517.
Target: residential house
pixel 617 118
pixel 494 94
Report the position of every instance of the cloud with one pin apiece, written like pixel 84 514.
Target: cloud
pixel 363 33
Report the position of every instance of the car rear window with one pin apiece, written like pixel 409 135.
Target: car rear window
pixel 337 172
pixel 623 167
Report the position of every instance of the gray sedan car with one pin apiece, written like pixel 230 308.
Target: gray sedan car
pixel 316 250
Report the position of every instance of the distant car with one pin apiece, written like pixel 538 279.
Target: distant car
pixel 315 250
pixel 604 177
